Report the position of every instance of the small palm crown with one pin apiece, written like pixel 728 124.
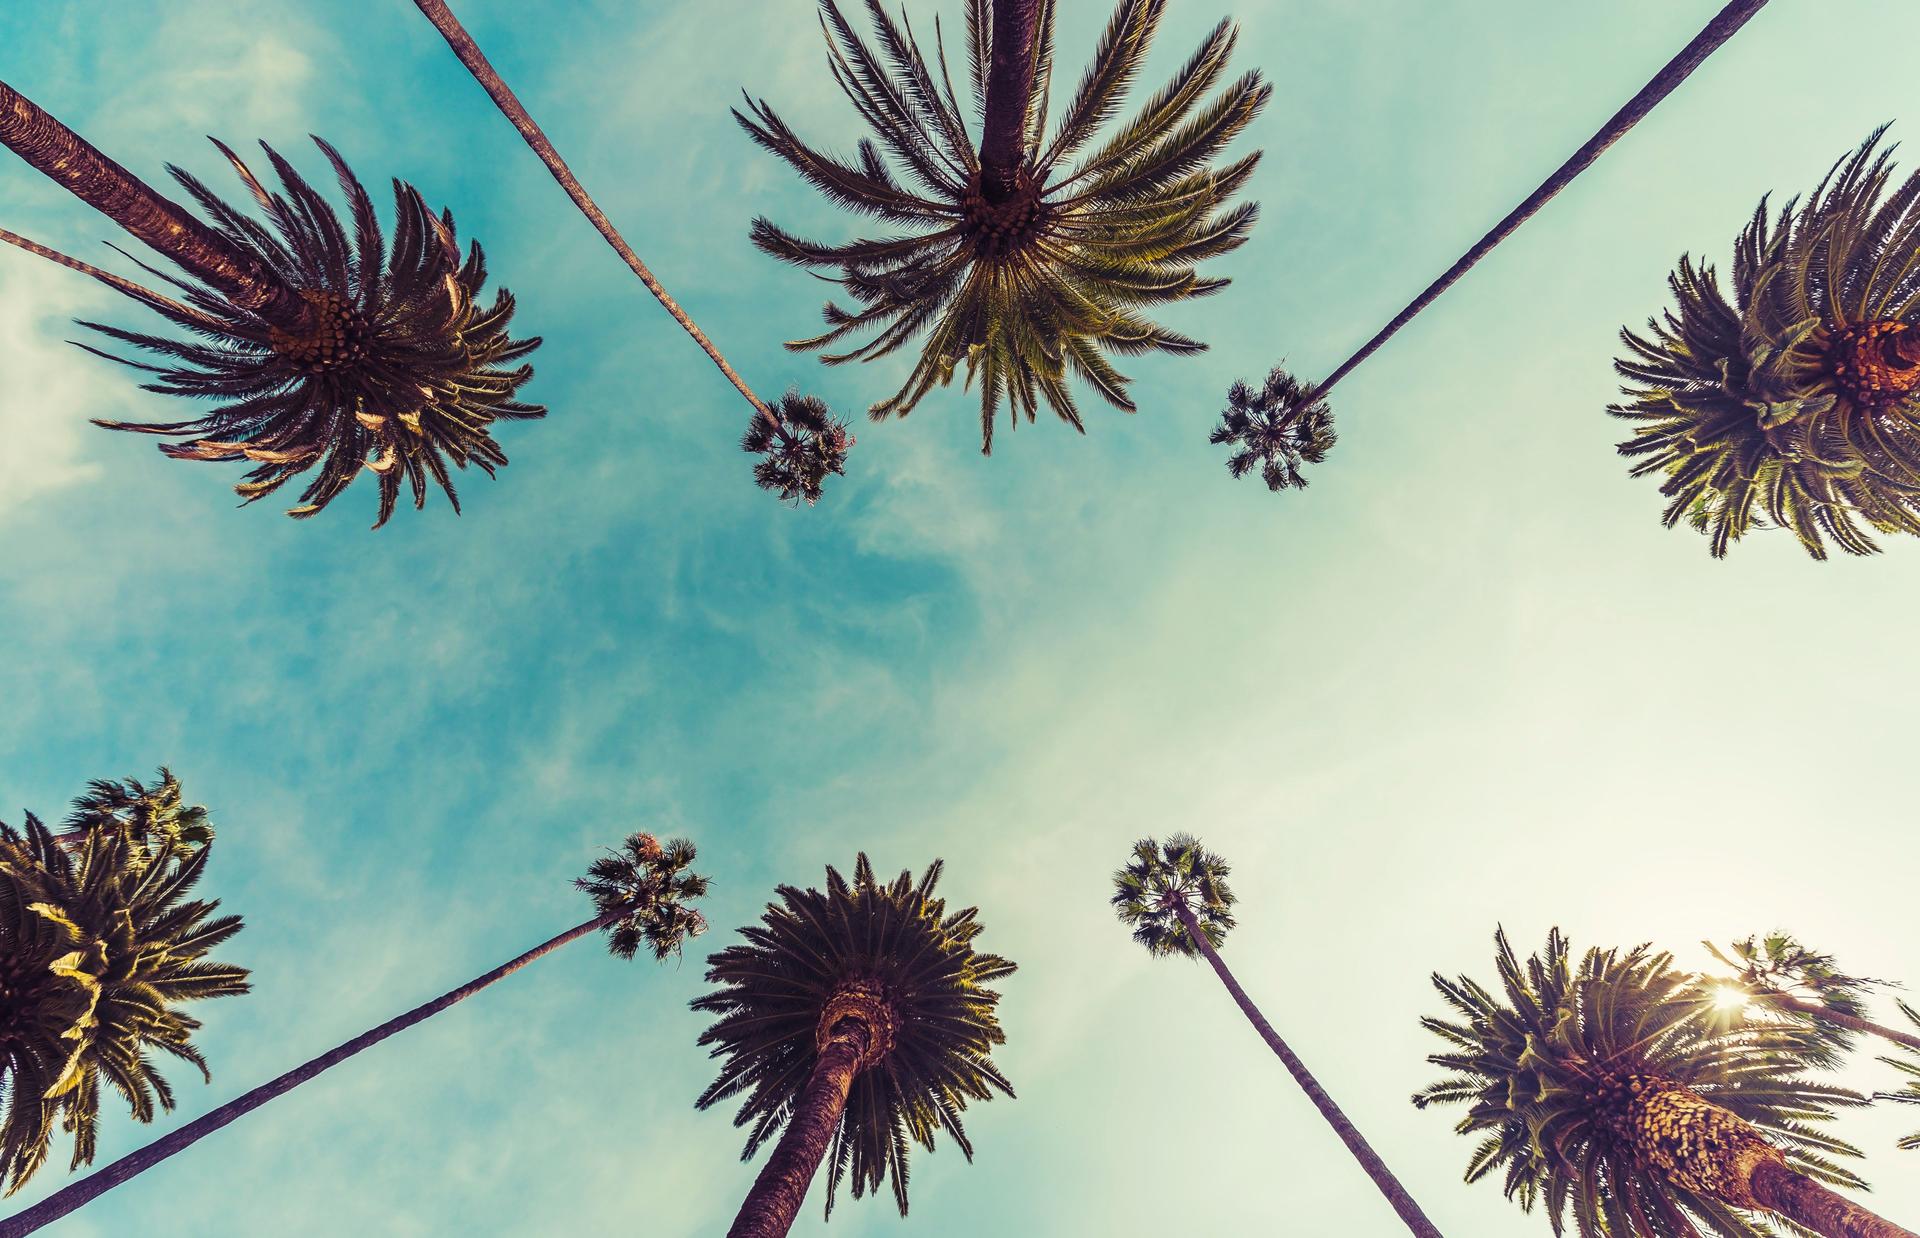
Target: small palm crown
pixel 891 961
pixel 1028 281
pixel 1164 879
pixel 398 371
pixel 99 946
pixel 798 454
pixel 1779 964
pixel 1279 427
pixel 649 887
pixel 1798 404
pixel 1614 1091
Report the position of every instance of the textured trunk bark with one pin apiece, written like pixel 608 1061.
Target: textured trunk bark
pixel 100 1181
pixel 1851 1022
pixel 1003 138
pixel 77 166
pixel 1800 1199
pixel 1376 1169
pixel 777 1193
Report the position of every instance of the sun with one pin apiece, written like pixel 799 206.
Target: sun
pixel 1730 998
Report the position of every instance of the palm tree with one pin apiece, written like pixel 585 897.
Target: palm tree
pixel 1614 1090
pixel 1021 258
pixel 1781 974
pixel 799 442
pixel 858 1019
pixel 324 348
pixel 1268 439
pixel 641 896
pixel 1797 404
pixel 1908 1065
pixel 100 946
pixel 1174 897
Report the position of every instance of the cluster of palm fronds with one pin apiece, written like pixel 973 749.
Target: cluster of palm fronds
pixel 648 886
pixel 1280 426
pixel 800 443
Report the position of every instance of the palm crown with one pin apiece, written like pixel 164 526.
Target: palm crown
pixel 647 885
pixel 1796 404
pixel 99 945
pixel 1160 881
pixel 1607 1089
pixel 400 370
pixel 890 957
pixel 1029 277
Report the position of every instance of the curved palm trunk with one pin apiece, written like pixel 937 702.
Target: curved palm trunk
pixel 100 1181
pixel 777 1193
pixel 80 168
pixel 510 106
pixel 1852 1023
pixel 1010 67
pixel 1692 56
pixel 1800 1199
pixel 1370 1161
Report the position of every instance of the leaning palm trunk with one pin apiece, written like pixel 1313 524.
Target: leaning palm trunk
pixel 1839 1018
pixel 775 1199
pixel 99 1182
pixel 1370 1161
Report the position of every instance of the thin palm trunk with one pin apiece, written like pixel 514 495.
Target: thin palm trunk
pixel 510 106
pixel 100 1181
pixel 1370 1161
pixel 778 1192
pixel 80 168
pixel 1692 56
pixel 1791 1194
pixel 1852 1023
pixel 1010 67
pixel 119 284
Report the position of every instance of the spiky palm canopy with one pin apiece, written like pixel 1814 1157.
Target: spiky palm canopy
pixel 1279 427
pixel 156 820
pixel 1549 1065
pixel 797 455
pixel 1162 878
pixel 1779 964
pixel 99 947
pixel 400 370
pixel 1907 1064
pixel 810 950
pixel 1797 404
pixel 651 886
pixel 1025 286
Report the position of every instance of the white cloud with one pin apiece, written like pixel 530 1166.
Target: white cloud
pixel 47 387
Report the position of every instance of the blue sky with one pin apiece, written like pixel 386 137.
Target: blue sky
pixel 1464 679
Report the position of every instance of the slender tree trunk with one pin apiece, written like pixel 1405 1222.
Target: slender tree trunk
pixel 81 169
pixel 1396 1194
pixel 100 1181
pixel 1800 1199
pixel 510 106
pixel 1003 138
pixel 777 1193
pixel 1853 1023
pixel 1692 56
pixel 145 296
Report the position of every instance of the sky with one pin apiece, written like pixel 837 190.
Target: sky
pixel 1464 680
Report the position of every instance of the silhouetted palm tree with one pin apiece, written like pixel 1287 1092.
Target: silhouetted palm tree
pixel 859 1020
pixel 100 945
pixel 799 441
pixel 324 347
pixel 641 897
pixel 1614 1091
pixel 1797 404
pixel 1288 400
pixel 1021 258
pixel 1174 897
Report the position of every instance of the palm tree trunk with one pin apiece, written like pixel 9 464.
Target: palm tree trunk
pixel 145 296
pixel 1852 1023
pixel 1003 137
pixel 777 1193
pixel 1800 1199
pixel 100 1181
pixel 1370 1161
pixel 510 106
pixel 1692 56
pixel 80 168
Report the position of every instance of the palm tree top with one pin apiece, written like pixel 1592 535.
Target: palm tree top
pixel 800 444
pixel 156 818
pixel 1551 1062
pixel 1278 427
pixel 648 886
pixel 891 958
pixel 1162 880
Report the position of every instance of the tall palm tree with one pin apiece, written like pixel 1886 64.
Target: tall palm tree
pixel 1797 404
pixel 1021 257
pixel 100 946
pixel 798 441
pixel 1614 1091
pixel 324 348
pixel 1261 426
pixel 858 1019
pixel 641 895
pixel 1174 897
pixel 1781 974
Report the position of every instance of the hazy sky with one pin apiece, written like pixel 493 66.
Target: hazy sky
pixel 1464 679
